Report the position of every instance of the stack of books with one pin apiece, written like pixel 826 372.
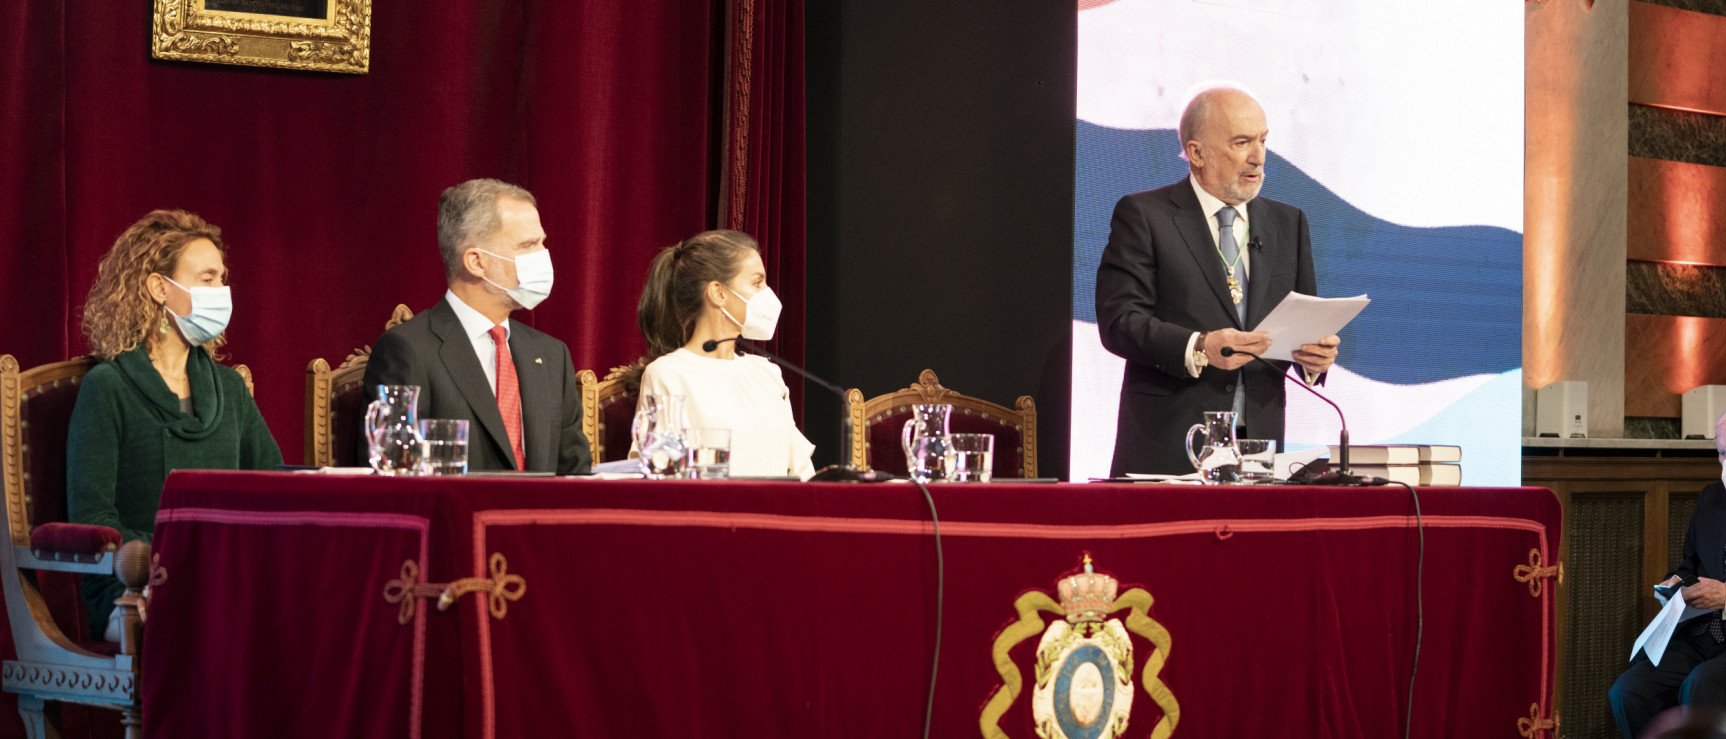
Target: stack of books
pixel 1413 464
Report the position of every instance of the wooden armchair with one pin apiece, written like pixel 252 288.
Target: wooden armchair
pixel 44 556
pixel 607 414
pixel 883 417
pixel 336 405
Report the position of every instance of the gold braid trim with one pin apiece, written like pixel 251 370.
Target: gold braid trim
pixel 502 587
pixel 1140 622
pixel 407 590
pixel 1535 572
pixel 1533 724
pixel 1028 625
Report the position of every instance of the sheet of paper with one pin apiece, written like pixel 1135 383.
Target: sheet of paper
pixel 1654 639
pixel 1304 319
pixel 623 467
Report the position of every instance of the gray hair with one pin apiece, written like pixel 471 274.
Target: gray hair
pixel 468 212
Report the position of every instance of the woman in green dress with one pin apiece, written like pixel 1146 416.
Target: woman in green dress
pixel 157 401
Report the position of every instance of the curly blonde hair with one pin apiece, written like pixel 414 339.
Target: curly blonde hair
pixel 119 313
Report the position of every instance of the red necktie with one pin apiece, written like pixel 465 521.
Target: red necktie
pixel 508 395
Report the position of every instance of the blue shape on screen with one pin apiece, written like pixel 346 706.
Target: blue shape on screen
pixel 1446 301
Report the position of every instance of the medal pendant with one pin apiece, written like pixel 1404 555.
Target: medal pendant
pixel 1235 291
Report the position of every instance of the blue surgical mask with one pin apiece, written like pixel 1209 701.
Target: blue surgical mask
pixel 533 276
pixel 208 318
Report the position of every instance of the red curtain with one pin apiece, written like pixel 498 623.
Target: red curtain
pixel 761 169
pixel 615 115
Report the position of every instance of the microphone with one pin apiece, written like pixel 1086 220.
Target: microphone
pixel 1255 245
pixel 1342 475
pixel 842 472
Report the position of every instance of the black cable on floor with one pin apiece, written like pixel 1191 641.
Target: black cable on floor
pixel 940 597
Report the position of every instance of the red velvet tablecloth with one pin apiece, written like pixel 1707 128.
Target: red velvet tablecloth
pixel 635 608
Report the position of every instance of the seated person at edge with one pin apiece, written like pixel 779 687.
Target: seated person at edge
pixel 1692 671
pixel 713 287
pixel 515 385
pixel 157 401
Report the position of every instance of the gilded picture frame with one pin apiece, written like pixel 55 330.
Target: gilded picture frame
pixel 306 35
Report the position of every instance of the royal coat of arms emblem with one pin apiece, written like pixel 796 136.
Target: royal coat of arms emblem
pixel 1084 672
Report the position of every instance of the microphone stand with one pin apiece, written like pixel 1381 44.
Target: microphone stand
pixel 1342 475
pixel 844 471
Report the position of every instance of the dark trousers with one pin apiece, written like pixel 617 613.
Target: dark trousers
pixel 1692 672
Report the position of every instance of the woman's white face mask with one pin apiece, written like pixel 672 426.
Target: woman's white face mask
pixel 760 316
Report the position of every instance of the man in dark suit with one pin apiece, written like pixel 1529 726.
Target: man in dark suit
pixel 1692 671
pixel 1187 270
pixel 515 385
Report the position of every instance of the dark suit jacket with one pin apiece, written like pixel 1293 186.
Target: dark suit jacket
pixel 433 352
pixel 1705 542
pixel 1160 280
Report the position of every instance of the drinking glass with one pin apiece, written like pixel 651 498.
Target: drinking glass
pixel 446 445
pixel 970 457
pixel 709 454
pixel 1258 460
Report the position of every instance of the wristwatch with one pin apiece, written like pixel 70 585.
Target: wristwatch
pixel 1199 359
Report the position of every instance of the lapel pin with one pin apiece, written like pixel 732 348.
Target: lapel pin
pixel 537 360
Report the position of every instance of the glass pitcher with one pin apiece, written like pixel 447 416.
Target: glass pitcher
pixel 1218 459
pixel 393 431
pixel 661 434
pixel 926 441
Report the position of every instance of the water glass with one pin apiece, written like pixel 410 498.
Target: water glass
pixel 970 457
pixel 1258 460
pixel 446 446
pixel 709 454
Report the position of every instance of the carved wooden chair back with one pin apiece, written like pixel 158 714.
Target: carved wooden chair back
pixel 607 414
pixel 879 421
pixel 336 405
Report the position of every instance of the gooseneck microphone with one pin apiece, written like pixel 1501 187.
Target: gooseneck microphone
pixel 1342 475
pixel 842 472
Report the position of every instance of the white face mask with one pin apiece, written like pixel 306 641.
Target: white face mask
pixel 761 315
pixel 533 277
pixel 208 318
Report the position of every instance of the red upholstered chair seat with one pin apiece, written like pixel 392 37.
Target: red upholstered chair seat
pixel 883 419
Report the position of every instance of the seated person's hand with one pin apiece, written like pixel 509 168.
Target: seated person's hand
pixel 1707 593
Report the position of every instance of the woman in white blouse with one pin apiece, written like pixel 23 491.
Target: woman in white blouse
pixel 713 287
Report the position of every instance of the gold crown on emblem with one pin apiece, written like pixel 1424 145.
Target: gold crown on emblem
pixel 1088 596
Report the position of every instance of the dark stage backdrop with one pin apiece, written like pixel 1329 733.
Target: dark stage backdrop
pixel 634 123
pixel 940 203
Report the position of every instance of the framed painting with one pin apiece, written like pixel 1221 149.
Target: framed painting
pixel 309 35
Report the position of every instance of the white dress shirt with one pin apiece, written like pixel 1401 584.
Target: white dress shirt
pixel 478 330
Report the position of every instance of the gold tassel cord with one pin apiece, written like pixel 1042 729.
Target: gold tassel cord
pixel 1536 571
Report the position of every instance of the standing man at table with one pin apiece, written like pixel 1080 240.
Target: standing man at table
pixel 1692 671
pixel 514 385
pixel 1188 268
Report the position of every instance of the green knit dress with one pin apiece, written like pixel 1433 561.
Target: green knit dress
pixel 127 434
